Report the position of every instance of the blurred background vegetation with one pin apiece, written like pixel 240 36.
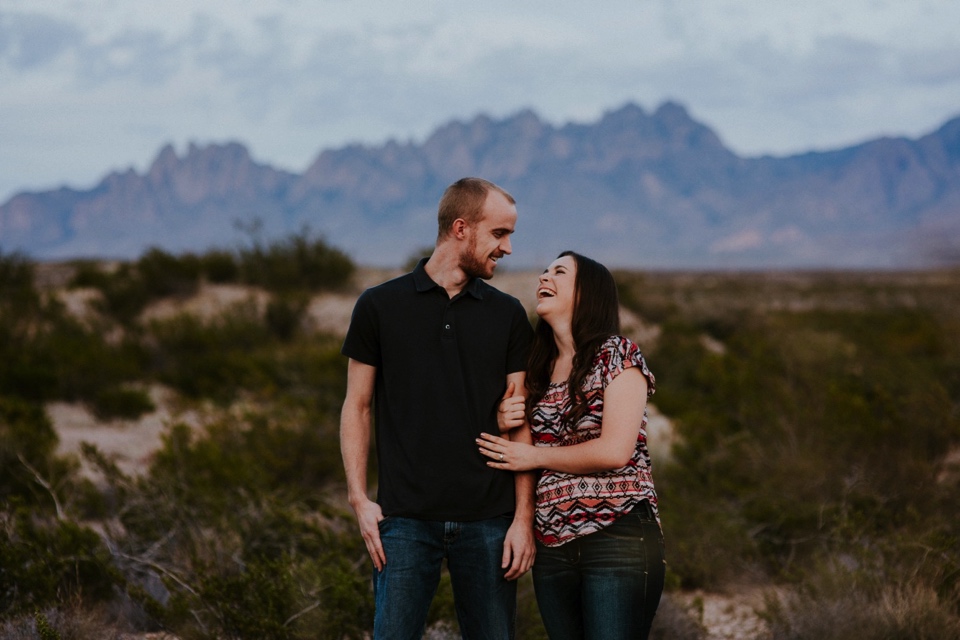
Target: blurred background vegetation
pixel 817 454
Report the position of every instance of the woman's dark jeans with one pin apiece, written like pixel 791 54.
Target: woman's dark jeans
pixel 603 586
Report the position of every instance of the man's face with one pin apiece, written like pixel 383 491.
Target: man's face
pixel 489 239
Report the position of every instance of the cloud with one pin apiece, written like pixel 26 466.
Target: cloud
pixel 113 82
pixel 737 242
pixel 29 40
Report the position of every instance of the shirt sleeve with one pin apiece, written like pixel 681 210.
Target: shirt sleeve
pixel 618 354
pixel 363 336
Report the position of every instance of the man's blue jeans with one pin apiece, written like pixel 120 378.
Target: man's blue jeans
pixel 415 549
pixel 603 586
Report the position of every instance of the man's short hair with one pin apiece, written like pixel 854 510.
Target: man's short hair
pixel 465 199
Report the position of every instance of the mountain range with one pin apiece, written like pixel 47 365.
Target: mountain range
pixel 633 189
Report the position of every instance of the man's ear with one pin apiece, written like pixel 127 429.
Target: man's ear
pixel 459 229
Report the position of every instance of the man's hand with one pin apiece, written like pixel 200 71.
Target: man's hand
pixel 512 410
pixel 519 549
pixel 369 516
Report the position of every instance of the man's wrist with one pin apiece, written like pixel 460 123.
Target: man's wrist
pixel 523 516
pixel 357 498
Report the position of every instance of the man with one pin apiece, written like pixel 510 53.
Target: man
pixel 432 351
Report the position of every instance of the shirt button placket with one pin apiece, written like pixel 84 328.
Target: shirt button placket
pixel 448 325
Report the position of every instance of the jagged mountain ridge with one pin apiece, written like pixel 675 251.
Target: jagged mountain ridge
pixel 635 189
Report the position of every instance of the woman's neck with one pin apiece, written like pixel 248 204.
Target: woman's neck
pixel 566 349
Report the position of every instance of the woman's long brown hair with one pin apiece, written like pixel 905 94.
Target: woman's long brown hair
pixel 596 317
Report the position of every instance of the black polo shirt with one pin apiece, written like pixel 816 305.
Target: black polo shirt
pixel 441 371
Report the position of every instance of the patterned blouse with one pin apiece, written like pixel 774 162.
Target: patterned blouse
pixel 570 506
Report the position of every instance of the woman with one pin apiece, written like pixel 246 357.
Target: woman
pixel 599 568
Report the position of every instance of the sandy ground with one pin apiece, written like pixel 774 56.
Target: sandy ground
pixel 731 616
pixel 130 443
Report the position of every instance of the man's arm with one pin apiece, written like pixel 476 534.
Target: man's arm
pixel 519 548
pixel 355 427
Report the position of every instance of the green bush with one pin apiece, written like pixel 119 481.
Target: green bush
pixel 25 435
pixel 88 274
pixel 17 291
pixel 297 262
pixel 123 403
pixel 129 288
pixel 124 295
pixel 219 266
pixel 211 359
pixel 848 607
pixel 247 549
pixel 284 315
pixel 164 274
pixel 50 355
pixel 789 435
pixel 45 562
pixel 239 351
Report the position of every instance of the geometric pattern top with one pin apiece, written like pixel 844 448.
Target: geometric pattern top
pixel 569 505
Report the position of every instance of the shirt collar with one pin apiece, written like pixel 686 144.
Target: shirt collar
pixel 425 283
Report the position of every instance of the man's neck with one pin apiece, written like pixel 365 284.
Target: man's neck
pixel 444 269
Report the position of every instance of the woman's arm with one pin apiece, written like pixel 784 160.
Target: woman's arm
pixel 624 401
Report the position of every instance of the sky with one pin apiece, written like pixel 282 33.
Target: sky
pixel 93 86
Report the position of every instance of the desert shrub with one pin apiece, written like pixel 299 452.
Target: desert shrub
pixel 284 315
pixel 124 403
pixel 17 290
pixel 129 288
pixel 26 436
pixel 88 274
pixel 281 599
pixel 44 562
pixel 215 358
pixel 85 363
pixel 164 274
pixel 311 373
pixel 32 477
pixel 298 262
pixel 219 266
pixel 251 454
pixel 230 521
pixel 124 295
pixel 72 621
pixel 848 609
pixel 789 435
pixel 240 351
pixel 50 355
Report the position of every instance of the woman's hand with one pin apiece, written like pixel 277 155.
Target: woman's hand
pixel 512 410
pixel 506 455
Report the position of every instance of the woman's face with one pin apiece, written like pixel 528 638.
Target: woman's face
pixel 557 291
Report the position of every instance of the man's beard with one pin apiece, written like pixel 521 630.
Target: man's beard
pixel 473 266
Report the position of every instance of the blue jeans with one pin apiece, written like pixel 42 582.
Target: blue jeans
pixel 603 586
pixel 486 603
